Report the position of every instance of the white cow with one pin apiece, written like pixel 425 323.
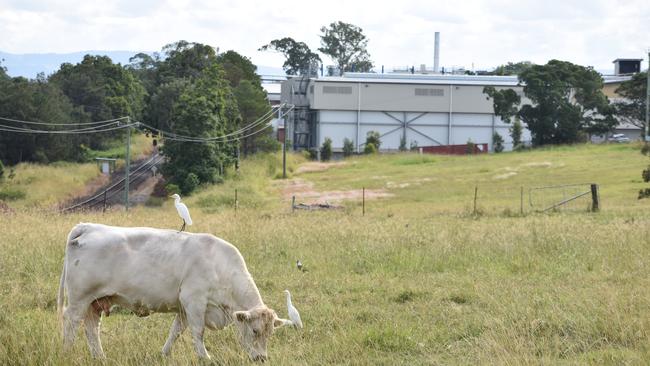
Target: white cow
pixel 201 278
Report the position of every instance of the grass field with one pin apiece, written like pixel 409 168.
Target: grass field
pixel 43 186
pixel 418 280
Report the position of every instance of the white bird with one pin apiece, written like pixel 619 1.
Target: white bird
pixel 299 264
pixel 294 315
pixel 183 212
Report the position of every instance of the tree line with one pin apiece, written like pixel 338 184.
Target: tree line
pixel 186 89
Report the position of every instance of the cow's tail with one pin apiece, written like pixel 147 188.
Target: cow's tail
pixel 75 233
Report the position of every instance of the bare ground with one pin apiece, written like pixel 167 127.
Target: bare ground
pixel 316 166
pixel 305 193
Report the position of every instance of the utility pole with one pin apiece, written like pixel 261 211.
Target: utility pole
pixel 284 145
pixel 647 102
pixel 128 164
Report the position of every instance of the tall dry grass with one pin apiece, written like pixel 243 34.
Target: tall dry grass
pixel 405 284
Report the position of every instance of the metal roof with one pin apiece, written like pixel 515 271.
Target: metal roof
pixel 627 59
pixel 422 79
pixel 510 80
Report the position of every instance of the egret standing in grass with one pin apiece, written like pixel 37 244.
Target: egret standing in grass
pixel 294 315
pixel 183 212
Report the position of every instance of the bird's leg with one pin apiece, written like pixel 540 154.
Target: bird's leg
pixel 182 227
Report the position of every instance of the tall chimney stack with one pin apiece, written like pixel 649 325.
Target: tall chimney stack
pixel 436 54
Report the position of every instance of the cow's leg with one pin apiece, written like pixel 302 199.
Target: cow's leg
pixel 178 326
pixel 195 308
pixel 92 322
pixel 72 316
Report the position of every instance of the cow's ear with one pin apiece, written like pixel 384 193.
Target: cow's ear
pixel 243 315
pixel 278 322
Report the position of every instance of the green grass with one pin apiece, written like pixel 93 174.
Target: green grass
pixel 43 186
pixel 416 281
pixel 140 145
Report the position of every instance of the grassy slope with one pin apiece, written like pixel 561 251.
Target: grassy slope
pixel 45 185
pixel 398 286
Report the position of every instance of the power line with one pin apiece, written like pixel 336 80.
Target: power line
pixel 62 124
pixel 171 135
pixel 231 137
pixel 66 132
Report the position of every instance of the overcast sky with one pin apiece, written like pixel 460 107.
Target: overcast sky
pixel 477 32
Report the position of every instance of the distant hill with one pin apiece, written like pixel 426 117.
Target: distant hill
pixel 30 64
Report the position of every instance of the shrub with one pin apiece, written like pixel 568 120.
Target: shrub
pixel 159 189
pixel 11 194
pixel 470 147
pixel 190 183
pixel 348 147
pixel 372 137
pixel 172 188
pixel 326 150
pixel 414 145
pixel 402 143
pixel 370 149
pixel 497 142
pixel 154 201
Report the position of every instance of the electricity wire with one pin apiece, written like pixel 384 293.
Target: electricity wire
pixel 62 124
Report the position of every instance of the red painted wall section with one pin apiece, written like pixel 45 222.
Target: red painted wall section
pixel 454 149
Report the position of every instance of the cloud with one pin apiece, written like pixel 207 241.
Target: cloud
pixel 480 32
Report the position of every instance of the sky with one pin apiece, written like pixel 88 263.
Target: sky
pixel 475 34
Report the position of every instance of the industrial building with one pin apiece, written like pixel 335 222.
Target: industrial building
pixel 424 110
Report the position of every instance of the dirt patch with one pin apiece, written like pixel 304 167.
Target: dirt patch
pixel 93 186
pixel 538 164
pixel 142 193
pixel 505 175
pixel 305 193
pixel 316 166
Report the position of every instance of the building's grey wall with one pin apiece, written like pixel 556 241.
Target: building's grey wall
pixel 427 130
pixel 400 97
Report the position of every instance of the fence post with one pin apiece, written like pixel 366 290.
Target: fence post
pixel 521 202
pixel 293 203
pixel 363 201
pixel 475 194
pixel 595 205
pixel 104 209
pixel 236 201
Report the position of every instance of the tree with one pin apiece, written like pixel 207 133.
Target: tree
pixel 103 89
pixel 252 104
pixel 515 133
pixel 206 108
pixel 505 102
pixel 567 101
pixel 238 68
pixel 299 59
pixel 38 100
pixel 348 147
pixel 634 93
pixel 326 149
pixel 372 142
pixel 346 44
pixel 497 142
pixel 185 60
pixel 511 68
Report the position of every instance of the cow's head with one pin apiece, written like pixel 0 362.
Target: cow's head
pixel 255 326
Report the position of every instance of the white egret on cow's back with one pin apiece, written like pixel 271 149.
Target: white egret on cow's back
pixel 183 212
pixel 294 315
